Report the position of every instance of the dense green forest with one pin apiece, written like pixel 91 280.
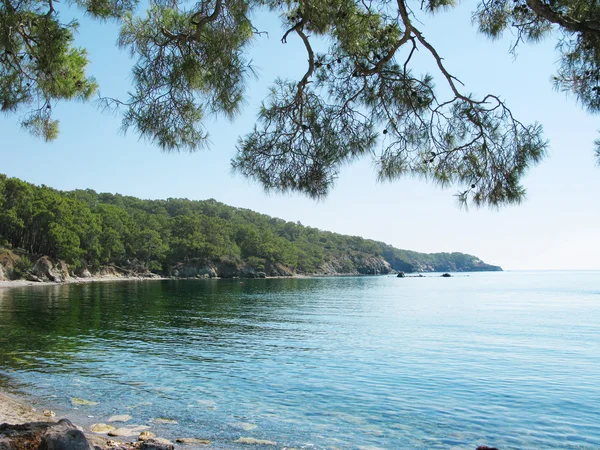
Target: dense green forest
pixel 90 230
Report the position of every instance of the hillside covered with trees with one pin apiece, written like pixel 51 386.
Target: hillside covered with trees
pixel 185 238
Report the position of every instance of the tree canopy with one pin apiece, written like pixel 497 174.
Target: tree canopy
pixel 361 97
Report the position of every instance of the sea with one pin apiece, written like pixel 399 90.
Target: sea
pixel 505 359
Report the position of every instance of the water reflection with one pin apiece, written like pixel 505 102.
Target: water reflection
pixel 340 362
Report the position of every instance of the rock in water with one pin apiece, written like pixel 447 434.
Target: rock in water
pixel 122 432
pixel 252 441
pixel 121 418
pixel 164 421
pixel 145 435
pixel 81 402
pixel 101 428
pixel 244 426
pixel 193 441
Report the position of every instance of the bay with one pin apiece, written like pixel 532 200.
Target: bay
pixel 509 359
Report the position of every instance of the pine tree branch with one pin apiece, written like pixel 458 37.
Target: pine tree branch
pixel 565 21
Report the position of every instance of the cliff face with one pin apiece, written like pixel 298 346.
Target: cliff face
pixel 357 264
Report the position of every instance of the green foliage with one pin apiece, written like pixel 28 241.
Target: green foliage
pixel 361 96
pixel 89 229
pixel 22 266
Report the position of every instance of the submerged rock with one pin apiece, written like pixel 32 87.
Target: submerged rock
pixel 252 441
pixel 122 432
pixel 193 441
pixel 82 402
pixel 244 426
pixel 210 404
pixel 162 420
pixel 121 418
pixel 101 428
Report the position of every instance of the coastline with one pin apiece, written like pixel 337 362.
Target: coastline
pixel 6 284
pixel 72 280
pixel 16 411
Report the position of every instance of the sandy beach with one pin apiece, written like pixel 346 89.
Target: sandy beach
pixel 73 280
pixel 14 411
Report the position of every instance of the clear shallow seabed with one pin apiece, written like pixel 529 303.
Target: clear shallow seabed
pixel 510 360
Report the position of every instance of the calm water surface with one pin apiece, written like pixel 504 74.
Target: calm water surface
pixel 504 359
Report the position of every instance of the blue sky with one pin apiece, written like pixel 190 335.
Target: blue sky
pixel 555 228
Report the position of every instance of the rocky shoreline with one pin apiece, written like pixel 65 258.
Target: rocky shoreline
pixel 23 427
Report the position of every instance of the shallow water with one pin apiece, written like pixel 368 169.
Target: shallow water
pixel 504 359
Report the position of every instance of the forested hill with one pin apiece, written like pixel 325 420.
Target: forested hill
pixel 185 238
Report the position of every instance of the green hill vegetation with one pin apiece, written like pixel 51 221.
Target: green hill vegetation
pixel 184 238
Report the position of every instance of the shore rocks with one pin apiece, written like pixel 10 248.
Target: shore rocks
pixel 62 435
pixel 45 269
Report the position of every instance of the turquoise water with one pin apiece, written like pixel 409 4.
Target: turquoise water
pixel 510 360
